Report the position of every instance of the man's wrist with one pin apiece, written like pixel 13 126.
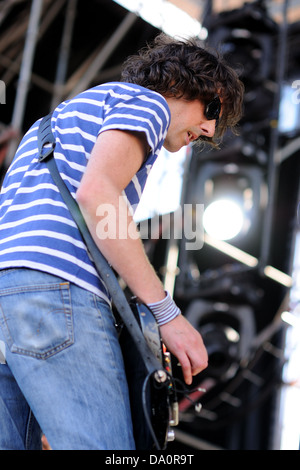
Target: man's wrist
pixel 164 310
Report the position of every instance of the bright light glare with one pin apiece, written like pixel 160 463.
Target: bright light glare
pixel 165 16
pixel 223 219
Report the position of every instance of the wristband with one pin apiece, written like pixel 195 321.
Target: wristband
pixel 165 310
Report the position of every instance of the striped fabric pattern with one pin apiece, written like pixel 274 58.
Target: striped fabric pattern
pixel 165 310
pixel 36 228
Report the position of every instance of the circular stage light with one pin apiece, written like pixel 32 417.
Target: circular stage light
pixel 223 219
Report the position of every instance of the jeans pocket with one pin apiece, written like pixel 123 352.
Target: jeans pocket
pixel 37 320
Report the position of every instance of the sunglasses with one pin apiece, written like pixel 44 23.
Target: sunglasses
pixel 212 110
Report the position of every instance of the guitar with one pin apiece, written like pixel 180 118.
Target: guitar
pixel 153 399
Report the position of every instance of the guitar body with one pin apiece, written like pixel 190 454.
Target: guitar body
pixel 151 401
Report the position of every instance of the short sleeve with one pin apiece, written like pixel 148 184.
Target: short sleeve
pixel 146 112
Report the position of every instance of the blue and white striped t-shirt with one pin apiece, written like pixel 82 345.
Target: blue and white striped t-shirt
pixel 36 228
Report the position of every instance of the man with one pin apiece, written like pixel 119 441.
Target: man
pixel 63 368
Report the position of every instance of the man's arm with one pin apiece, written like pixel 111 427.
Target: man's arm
pixel 115 159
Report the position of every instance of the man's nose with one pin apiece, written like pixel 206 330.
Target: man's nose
pixel 208 128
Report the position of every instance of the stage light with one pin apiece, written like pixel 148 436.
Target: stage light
pixel 223 219
pixel 245 37
pixel 227 331
pixel 234 196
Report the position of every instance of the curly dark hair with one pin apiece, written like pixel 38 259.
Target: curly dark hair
pixel 183 69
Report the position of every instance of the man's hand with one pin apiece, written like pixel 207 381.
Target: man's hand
pixel 184 341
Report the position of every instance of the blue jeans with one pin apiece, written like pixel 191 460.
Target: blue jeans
pixel 63 370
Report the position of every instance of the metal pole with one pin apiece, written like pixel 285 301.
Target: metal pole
pixel 272 165
pixel 64 54
pixel 25 73
pixel 107 50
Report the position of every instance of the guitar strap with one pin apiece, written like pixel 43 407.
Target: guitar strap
pixel 45 136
